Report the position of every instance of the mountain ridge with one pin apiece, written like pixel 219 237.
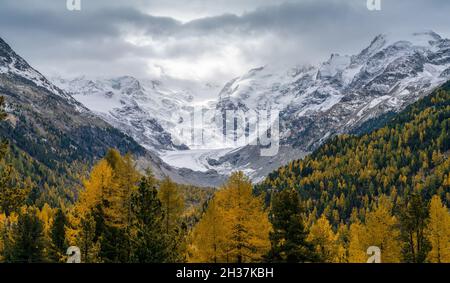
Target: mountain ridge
pixel 54 128
pixel 340 95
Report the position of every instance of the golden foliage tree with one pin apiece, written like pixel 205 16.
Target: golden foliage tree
pixel 243 223
pixel 380 230
pixel 208 241
pixel 325 241
pixel 438 232
pixel 172 204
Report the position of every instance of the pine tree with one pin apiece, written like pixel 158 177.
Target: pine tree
pixel 438 232
pixel 28 241
pixel 149 243
pixel 413 221
pixel 58 236
pixel 288 238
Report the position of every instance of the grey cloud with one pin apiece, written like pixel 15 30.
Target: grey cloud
pixel 305 31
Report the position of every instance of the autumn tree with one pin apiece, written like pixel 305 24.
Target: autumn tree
pixel 12 195
pixel 380 229
pixel 438 232
pixel 246 222
pixel 324 240
pixel 208 243
pixel 87 240
pixel 172 204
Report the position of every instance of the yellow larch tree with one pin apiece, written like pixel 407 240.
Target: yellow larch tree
pixel 356 252
pixel 438 232
pixel 172 204
pixel 381 230
pixel 246 222
pixel 82 226
pixel 325 241
pixel 125 181
pixel 207 239
pixel 235 226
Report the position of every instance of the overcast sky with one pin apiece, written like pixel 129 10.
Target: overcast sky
pixel 206 40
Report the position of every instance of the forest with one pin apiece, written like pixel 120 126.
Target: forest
pixel 389 188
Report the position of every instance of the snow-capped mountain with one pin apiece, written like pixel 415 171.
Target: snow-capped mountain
pixel 344 91
pixel 314 102
pixel 151 111
pixel 13 64
pixel 54 129
pixel 339 95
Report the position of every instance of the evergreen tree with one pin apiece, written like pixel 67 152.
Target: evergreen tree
pixel 28 242
pixel 413 221
pixel 58 236
pixel 288 238
pixel 149 242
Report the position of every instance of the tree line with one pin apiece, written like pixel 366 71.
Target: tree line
pixel 388 188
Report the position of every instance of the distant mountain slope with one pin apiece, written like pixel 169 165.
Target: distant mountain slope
pixel 344 94
pixel 348 172
pixel 55 129
pixel 150 111
pixel 345 91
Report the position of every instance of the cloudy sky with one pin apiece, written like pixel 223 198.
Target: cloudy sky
pixel 204 40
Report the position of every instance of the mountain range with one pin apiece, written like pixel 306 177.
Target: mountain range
pixel 344 94
pixel 54 128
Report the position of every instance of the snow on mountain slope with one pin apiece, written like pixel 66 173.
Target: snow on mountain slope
pixel 315 102
pixel 13 64
pixel 151 111
pixel 344 91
